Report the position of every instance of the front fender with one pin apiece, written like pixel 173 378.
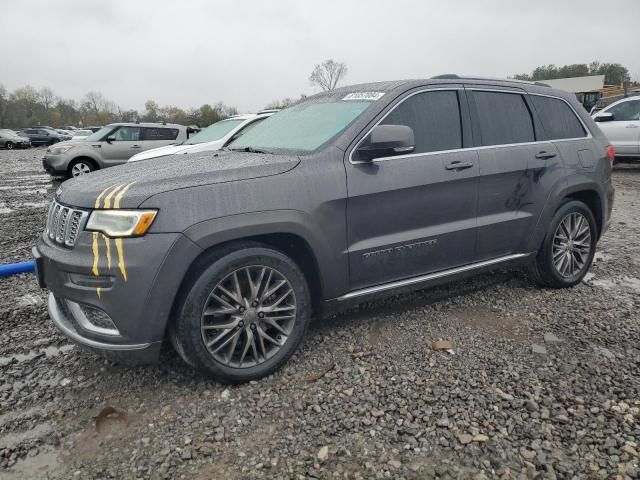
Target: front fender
pixel 332 262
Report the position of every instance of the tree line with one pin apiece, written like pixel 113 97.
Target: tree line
pixel 614 73
pixel 27 106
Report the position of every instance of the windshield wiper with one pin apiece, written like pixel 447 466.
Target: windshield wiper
pixel 249 150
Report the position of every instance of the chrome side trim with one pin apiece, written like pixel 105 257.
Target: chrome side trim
pixel 58 319
pixel 430 276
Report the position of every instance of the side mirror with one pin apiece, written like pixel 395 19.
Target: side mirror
pixel 111 138
pixel 387 141
pixel 604 117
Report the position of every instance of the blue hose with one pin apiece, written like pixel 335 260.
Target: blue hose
pixel 15 268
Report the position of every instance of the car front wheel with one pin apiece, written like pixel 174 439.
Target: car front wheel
pixel 79 167
pixel 8 145
pixel 568 248
pixel 243 313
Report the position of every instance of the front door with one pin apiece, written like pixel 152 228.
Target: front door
pixel 126 142
pixel 416 213
pixel 623 132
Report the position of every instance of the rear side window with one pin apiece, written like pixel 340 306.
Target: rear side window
pixel 160 133
pixel 558 120
pixel 434 118
pixel 503 118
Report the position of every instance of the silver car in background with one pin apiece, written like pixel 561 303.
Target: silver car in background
pixel 111 145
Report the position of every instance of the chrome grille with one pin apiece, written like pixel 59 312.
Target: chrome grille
pixel 64 223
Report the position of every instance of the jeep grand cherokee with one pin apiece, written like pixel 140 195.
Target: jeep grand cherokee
pixel 351 194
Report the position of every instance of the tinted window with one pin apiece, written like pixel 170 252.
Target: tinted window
pixel 160 133
pixel 127 134
pixel 434 118
pixel 625 111
pixel 558 119
pixel 504 118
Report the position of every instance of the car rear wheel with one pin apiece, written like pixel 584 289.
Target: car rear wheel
pixel 80 167
pixel 8 145
pixel 243 313
pixel 568 248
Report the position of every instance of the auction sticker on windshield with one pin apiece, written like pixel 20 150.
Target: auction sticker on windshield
pixel 363 96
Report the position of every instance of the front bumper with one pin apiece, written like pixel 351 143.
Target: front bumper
pixel 116 317
pixel 55 164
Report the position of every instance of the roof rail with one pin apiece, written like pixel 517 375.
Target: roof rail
pixel 268 110
pixel 452 76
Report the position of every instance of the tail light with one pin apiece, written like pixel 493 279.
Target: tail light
pixel 611 153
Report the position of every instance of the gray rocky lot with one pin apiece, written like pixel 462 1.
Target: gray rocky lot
pixel 540 384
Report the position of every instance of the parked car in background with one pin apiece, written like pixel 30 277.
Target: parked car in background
pixel 348 196
pixel 93 129
pixel 10 140
pixel 620 122
pixel 214 137
pixel 41 135
pixel 81 134
pixel 109 146
pixel 66 135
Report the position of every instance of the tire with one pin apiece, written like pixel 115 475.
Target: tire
pixel 80 166
pixel 8 145
pixel 570 267
pixel 229 355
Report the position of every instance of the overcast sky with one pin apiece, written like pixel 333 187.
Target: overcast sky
pixel 250 52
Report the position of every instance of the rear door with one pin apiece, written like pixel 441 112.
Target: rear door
pixel 513 161
pixel 623 132
pixel 416 213
pixel 127 141
pixel 154 137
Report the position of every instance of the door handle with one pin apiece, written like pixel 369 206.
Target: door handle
pixel 136 146
pixel 457 165
pixel 545 155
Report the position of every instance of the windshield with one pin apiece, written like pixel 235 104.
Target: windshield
pixel 100 134
pixel 305 126
pixel 214 132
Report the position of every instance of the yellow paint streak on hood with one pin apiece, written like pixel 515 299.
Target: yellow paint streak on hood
pixel 116 201
pixel 107 199
pixel 97 204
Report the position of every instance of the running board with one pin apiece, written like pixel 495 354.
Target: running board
pixel 430 276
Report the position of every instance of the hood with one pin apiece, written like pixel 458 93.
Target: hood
pixel 132 183
pixel 159 152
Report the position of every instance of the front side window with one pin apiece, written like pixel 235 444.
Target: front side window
pixel 434 118
pixel 503 118
pixel 308 125
pixel 558 120
pixel 160 133
pixel 127 134
pixel 625 111
pixel 214 131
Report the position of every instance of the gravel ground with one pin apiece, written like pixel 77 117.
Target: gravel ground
pixel 541 383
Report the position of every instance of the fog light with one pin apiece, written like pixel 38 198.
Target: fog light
pixel 92 319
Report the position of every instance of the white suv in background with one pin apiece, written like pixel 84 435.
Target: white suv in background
pixel 620 122
pixel 214 137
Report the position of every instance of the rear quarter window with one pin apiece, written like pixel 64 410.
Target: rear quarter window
pixel 160 133
pixel 558 119
pixel 503 118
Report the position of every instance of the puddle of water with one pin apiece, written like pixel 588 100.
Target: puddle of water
pixel 5 210
pixel 632 283
pixel 33 467
pixel 48 352
pixel 604 283
pixel 34 204
pixel 14 439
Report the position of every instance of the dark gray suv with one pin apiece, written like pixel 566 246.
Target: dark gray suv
pixel 346 196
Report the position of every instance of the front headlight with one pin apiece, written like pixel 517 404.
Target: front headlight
pixel 58 150
pixel 121 223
